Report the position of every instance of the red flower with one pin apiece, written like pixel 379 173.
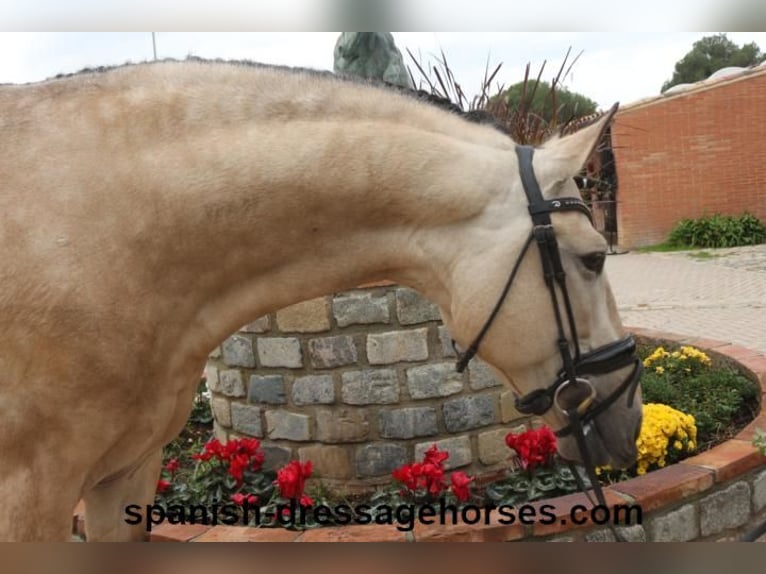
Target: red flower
pixel 238 455
pixel 427 475
pixel 306 501
pixel 291 479
pixel 435 456
pixel 240 498
pixel 163 485
pixel 533 447
pixel 172 465
pixel 460 485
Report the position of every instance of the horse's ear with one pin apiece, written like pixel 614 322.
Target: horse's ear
pixel 565 156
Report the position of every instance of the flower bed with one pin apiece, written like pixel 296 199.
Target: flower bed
pixel 707 496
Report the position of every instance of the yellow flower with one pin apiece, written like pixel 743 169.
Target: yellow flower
pixel 662 427
pixel 659 370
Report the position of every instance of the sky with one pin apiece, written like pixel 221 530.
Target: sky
pixel 612 66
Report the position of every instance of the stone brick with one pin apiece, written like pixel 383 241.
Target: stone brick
pixel 468 412
pixel 215 353
pixel 446 342
pixel 408 423
pixel 260 325
pixel 220 432
pixel 211 378
pixel 238 352
pixel 360 309
pixel 314 390
pixel 413 308
pixel 481 376
pixel 459 449
pixel 230 383
pixel 759 492
pixel 508 410
pixel 267 389
pixel 280 352
pixel 328 461
pixel 306 317
pixel 492 447
pixel 275 456
pixel 727 508
pixel 633 533
pixel 246 419
pixel 379 459
pixel 397 346
pixel 289 426
pixel 332 352
pixel 221 411
pixel 341 425
pixel 436 380
pixel 370 387
pixel 680 525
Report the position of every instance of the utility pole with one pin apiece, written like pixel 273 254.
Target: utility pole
pixel 154 44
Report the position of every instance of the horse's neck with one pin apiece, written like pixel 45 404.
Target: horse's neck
pixel 325 207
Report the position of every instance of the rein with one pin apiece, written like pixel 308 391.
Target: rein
pixel 575 365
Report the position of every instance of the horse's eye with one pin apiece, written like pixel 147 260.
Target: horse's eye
pixel 594 261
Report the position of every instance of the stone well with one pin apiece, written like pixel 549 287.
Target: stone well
pixel 359 382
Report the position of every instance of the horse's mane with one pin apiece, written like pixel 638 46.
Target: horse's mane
pixel 474 116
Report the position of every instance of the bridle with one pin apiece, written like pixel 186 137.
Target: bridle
pixel 575 365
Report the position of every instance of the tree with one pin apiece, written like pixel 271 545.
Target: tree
pixel 538 101
pixel 710 54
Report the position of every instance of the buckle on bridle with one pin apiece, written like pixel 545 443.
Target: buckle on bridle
pixel 583 405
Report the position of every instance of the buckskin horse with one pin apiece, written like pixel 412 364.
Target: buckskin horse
pixel 149 210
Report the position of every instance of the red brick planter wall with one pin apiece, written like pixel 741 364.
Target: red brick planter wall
pixel 716 495
pixel 691 154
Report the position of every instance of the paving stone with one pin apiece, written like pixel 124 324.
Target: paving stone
pixel 397 346
pixel 379 459
pixel 306 317
pixel 221 411
pixel 275 456
pixel 481 376
pixel 246 419
pixel 289 426
pixel 314 390
pixel 492 448
pixel 211 378
pixel 267 389
pixel 759 492
pixel 435 380
pixel 332 352
pixel 328 461
pixel 680 525
pixel 468 412
pixel 260 325
pixel 413 308
pixel 342 425
pixel 370 387
pixel 280 352
pixel 445 339
pixel 727 508
pixel 408 422
pixel 230 383
pixel 633 533
pixel 360 309
pixel 508 410
pixel 238 352
pixel 459 449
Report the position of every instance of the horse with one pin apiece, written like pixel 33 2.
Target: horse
pixel 149 210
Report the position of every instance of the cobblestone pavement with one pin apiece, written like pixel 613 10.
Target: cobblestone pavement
pixel 714 293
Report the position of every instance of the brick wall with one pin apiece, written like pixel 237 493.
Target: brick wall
pixel 696 153
pixel 359 382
